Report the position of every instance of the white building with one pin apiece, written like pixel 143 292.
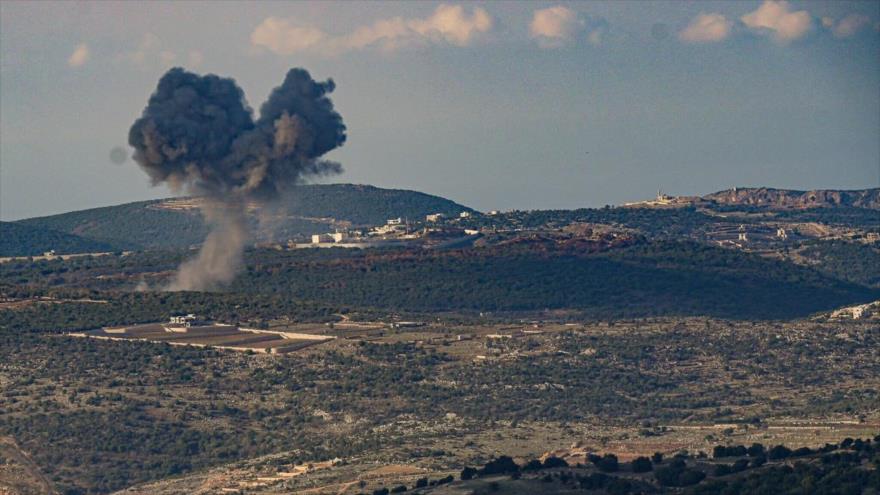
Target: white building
pixel 464 214
pixel 435 217
pixel 394 221
pixel 321 238
pixel 185 320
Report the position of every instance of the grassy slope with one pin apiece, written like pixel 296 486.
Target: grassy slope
pixel 134 225
pixel 25 240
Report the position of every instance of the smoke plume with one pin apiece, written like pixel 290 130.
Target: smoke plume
pixel 197 134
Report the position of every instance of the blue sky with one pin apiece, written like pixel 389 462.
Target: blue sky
pixel 496 105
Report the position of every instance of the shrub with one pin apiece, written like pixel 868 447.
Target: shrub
pixel 501 465
pixel 641 465
pixel 468 473
pixel 554 462
pixel 608 463
pixel 755 450
pixel 779 452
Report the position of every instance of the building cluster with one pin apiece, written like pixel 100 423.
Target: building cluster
pixel 745 236
pixel 665 200
pixel 857 312
pixel 394 230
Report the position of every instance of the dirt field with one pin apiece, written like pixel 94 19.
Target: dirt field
pixel 220 336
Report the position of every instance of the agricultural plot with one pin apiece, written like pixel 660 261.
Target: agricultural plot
pixel 218 336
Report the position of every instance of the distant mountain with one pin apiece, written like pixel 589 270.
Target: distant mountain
pixel 306 210
pixel 26 240
pixel 787 198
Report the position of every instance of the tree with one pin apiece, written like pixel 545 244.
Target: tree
pixel 779 452
pixel 641 465
pixel 554 462
pixel 608 463
pixel 501 465
pixel 468 473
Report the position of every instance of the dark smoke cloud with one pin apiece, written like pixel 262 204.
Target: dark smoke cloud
pixel 198 134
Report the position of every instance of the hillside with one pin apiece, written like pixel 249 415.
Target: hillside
pixel 648 279
pixel 787 198
pixel 25 240
pixel 641 280
pixel 308 209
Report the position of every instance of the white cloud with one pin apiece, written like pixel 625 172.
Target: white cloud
pixel 449 24
pixel 706 28
pixel 555 26
pixel 281 36
pixel 151 53
pixel 195 58
pixel 776 17
pixel 79 56
pixel 850 25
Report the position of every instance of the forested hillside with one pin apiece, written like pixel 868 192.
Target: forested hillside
pixel 662 278
pixel 25 240
pixel 305 210
pixel 131 226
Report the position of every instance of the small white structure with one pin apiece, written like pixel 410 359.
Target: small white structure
pixel 781 233
pixel 493 213
pixel 464 214
pixel 394 221
pixel 339 236
pixel 407 324
pixel 434 217
pixel 187 321
pixel 321 238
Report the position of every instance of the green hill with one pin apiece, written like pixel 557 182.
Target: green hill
pixel 366 205
pixel 26 240
pixel 306 210
pixel 648 279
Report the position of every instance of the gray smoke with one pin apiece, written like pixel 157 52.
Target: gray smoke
pixel 197 134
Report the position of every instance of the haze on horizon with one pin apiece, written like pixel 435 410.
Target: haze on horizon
pixel 494 105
